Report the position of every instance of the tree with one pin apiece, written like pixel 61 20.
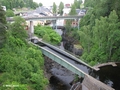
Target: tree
pixel 69 22
pixel 97 32
pixel 61 6
pixel 19 4
pixel 18 28
pixel 77 3
pixel 73 10
pixel 105 32
pixel 34 5
pixel 68 25
pixel 103 26
pixel 54 8
pixel 21 63
pixel 40 4
pixel 2 27
pixel 9 13
pixel 38 81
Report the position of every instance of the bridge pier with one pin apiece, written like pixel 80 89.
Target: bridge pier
pixel 31 33
pixel 56 24
pixel 78 23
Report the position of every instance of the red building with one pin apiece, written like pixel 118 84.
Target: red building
pixel 67 5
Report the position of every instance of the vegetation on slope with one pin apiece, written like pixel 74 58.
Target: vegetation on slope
pixel 11 4
pixel 2 27
pixel 21 63
pixel 100 31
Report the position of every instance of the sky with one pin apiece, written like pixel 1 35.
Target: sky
pixel 50 2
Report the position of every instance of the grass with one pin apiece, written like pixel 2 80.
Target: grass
pixel 78 46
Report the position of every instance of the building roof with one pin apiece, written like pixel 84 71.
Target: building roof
pixel 42 10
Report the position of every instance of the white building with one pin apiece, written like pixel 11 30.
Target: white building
pixel 66 11
pixel 4 8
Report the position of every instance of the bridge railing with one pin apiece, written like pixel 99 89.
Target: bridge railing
pixel 32 18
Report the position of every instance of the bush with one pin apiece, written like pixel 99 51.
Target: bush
pixel 48 34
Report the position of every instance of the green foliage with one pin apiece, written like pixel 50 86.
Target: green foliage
pixel 21 63
pixel 101 41
pixel 69 22
pixel 61 6
pixel 104 7
pixel 18 28
pixel 34 5
pixel 68 25
pixel 12 41
pixel 40 4
pixel 76 78
pixel 54 10
pixel 38 81
pixel 9 13
pixel 10 4
pixel 46 37
pixel 2 27
pixel 13 86
pixel 73 10
pixel 77 3
pixel 99 33
pixel 48 34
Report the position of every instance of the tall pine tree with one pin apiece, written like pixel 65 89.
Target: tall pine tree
pixel 2 26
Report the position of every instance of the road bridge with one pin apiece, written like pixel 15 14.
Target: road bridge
pixel 27 18
pixel 71 63
pixel 32 19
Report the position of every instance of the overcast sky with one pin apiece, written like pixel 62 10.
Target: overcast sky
pixel 50 2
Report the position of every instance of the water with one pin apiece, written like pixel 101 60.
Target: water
pixel 109 75
pixel 57 84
